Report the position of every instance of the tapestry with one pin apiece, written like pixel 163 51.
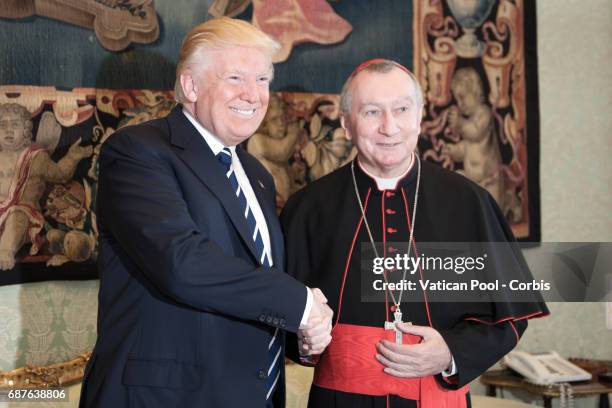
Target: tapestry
pixel 476 62
pixel 50 141
pixel 117 23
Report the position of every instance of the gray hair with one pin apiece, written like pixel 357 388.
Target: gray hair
pixel 382 66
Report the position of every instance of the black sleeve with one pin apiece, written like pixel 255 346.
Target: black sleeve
pixel 477 346
pixel 488 331
pixel 294 224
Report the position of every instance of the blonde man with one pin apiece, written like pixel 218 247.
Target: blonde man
pixel 194 303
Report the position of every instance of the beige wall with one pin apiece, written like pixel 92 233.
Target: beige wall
pixel 575 83
pixel 575 76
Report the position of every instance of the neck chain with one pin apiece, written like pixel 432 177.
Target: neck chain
pixel 398 301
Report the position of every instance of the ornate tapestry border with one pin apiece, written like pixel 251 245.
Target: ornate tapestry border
pixel 493 42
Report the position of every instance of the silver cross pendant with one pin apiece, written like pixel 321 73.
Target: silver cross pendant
pixel 397 318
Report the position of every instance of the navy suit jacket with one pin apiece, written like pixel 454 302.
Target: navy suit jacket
pixel 186 311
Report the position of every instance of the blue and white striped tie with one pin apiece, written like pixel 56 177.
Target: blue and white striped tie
pixel 274 347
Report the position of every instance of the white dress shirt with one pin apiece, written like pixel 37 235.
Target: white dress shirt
pixel 243 181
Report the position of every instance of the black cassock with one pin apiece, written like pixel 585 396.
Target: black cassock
pixel 324 232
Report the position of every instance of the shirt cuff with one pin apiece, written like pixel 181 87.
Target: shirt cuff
pixel 451 370
pixel 309 299
pixel 309 361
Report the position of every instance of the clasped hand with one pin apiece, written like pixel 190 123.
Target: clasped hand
pixel 314 337
pixel 429 357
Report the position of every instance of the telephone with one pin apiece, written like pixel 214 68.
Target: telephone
pixel 545 368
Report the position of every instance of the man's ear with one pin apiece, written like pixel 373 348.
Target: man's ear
pixel 344 124
pixel 189 87
pixel 420 119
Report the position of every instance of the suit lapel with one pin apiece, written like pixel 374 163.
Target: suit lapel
pixel 196 154
pixel 268 207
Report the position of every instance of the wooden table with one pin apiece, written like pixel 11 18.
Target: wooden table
pixel 508 379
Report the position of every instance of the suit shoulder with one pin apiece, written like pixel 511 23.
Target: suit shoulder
pixel 142 138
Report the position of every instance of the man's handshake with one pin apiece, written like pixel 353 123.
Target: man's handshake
pixel 314 337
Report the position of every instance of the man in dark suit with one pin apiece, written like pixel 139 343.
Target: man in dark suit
pixel 193 301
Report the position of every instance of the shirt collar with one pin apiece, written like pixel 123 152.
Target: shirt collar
pixel 213 142
pixel 389 183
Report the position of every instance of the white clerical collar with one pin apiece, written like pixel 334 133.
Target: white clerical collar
pixel 388 183
pixel 213 142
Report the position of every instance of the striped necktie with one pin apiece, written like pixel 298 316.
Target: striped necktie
pixel 274 346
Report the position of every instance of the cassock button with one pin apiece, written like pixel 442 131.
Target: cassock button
pixel 389 211
pixel 391 230
pixel 390 194
pixel 283 323
pixel 262 375
pixel 275 321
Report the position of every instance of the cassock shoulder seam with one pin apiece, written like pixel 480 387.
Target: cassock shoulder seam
pixel 453 178
pixel 329 181
pixel 451 183
pixel 318 191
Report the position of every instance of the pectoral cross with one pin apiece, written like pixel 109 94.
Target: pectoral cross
pixel 397 318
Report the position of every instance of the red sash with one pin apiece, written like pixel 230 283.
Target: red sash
pixel 349 365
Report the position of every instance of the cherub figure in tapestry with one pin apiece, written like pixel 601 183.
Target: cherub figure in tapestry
pixel 71 246
pixel 273 144
pixel 327 147
pixel 67 205
pixel 473 121
pixel 25 170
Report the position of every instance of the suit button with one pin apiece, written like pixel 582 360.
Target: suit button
pixel 275 321
pixel 262 375
pixel 269 319
pixel 262 318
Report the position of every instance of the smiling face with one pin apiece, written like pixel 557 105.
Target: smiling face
pixel 13 132
pixel 383 121
pixel 230 96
